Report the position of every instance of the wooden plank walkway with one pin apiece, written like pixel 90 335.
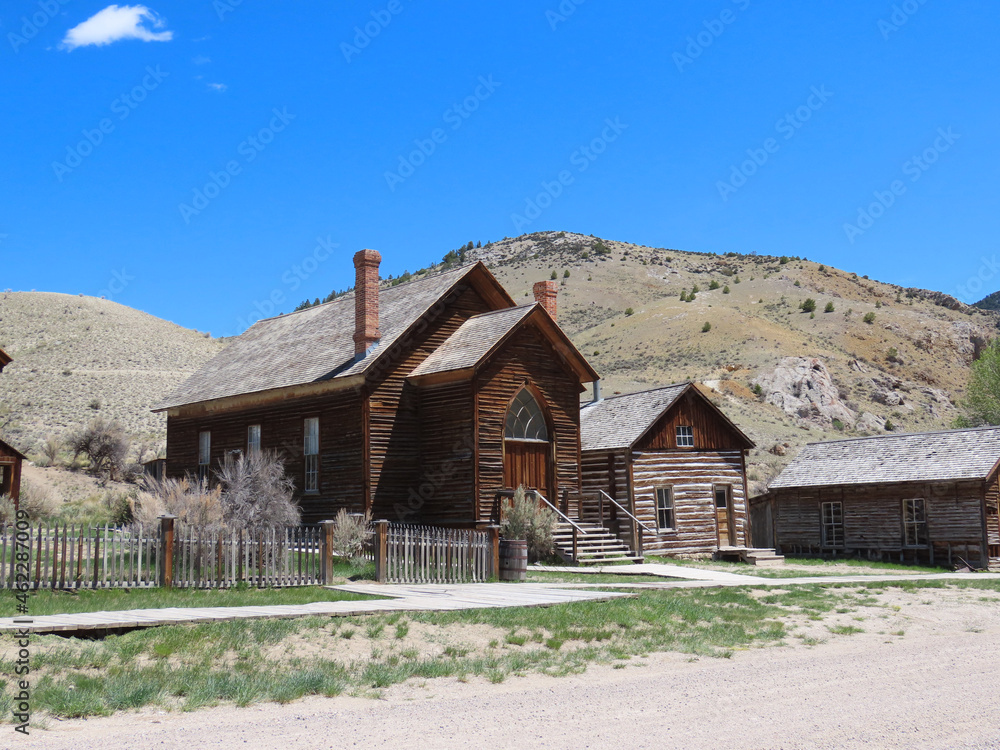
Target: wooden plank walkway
pixel 401 598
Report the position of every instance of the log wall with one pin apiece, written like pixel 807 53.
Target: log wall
pixel 693 477
pixel 341 480
pixel 873 520
pixel 711 433
pixel 527 357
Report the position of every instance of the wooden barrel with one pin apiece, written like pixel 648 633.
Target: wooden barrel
pixel 513 560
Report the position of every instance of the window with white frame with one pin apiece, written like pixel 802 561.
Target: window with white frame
pixel 310 449
pixel 665 508
pixel 832 532
pixel 685 436
pixel 914 522
pixel 253 438
pixel 204 455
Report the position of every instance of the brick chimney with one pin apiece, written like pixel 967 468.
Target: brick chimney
pixel 545 295
pixel 366 332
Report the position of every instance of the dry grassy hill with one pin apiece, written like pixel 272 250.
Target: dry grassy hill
pixel 883 357
pixel 908 364
pixel 76 357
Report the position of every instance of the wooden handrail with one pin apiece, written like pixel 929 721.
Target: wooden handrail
pixel 623 510
pixel 562 515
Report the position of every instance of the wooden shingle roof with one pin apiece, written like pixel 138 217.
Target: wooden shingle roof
pixel 619 421
pixel 474 339
pixel 317 344
pixel 917 457
pixel 4 359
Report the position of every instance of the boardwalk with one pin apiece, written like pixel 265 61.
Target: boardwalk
pixel 400 598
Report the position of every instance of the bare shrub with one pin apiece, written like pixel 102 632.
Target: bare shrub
pixel 38 502
pixel 349 535
pixel 193 503
pixel 105 445
pixel 526 519
pixel 256 493
pixel 7 514
pixel 50 449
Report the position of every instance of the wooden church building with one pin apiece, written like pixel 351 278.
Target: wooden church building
pixel 421 402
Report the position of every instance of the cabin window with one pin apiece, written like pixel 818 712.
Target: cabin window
pixel 665 508
pixel 833 524
pixel 722 492
pixel 311 451
pixel 685 436
pixel 253 438
pixel 525 420
pixel 204 455
pixel 914 522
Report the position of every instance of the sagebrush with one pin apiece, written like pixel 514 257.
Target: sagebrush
pixel 524 518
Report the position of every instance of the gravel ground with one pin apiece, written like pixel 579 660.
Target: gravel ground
pixel 934 687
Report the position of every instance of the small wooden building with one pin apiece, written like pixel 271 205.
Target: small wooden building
pixel 675 461
pixel 10 471
pixel 4 359
pixel 925 497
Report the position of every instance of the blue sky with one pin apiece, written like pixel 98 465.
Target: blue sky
pixel 245 150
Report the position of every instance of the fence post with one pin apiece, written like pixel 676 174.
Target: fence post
pixel 326 551
pixel 494 551
pixel 167 551
pixel 381 550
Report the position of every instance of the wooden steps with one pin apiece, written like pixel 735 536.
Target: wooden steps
pixel 758 556
pixel 597 547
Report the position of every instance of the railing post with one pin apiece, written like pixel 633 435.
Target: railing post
pixel 600 510
pixel 638 530
pixel 381 550
pixel 494 551
pixel 326 551
pixel 576 557
pixel 167 551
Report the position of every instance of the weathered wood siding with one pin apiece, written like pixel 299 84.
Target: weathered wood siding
pixel 711 433
pixel 10 465
pixel 527 357
pixel 993 518
pixel 607 471
pixel 445 495
pixel 341 479
pixel 693 477
pixel 395 431
pixel 873 520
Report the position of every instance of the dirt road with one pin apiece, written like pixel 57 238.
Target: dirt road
pixel 935 687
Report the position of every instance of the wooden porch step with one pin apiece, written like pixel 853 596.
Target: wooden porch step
pixel 598 545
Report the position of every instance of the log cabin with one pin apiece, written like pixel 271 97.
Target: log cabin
pixel 675 461
pixel 11 459
pixel 929 498
pixel 430 402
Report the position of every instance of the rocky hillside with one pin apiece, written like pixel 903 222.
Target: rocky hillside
pixel 864 358
pixel 78 357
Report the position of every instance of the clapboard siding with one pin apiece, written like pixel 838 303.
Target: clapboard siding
pixel 341 480
pixel 873 519
pixel 394 404
pixel 692 476
pixel 446 493
pixel 526 357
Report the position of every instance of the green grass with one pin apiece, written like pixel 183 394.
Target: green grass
pixel 189 666
pixel 538 576
pixel 821 567
pixel 46 602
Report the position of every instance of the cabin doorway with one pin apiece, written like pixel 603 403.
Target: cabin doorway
pixel 527 446
pixel 725 528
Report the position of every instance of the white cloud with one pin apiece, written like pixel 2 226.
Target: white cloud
pixel 220 87
pixel 117 22
pixel 202 60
